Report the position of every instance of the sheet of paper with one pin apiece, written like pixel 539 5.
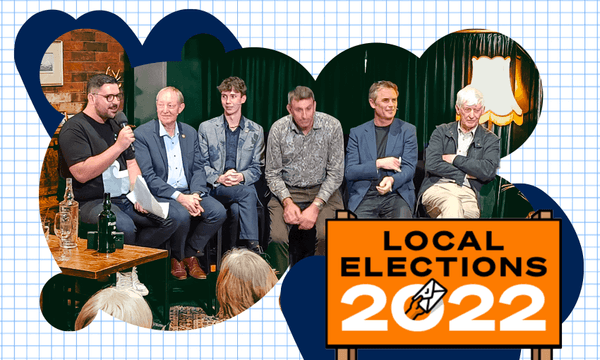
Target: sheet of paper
pixel 116 181
pixel 142 195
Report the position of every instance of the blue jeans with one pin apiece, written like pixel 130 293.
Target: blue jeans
pixel 140 229
pixel 247 199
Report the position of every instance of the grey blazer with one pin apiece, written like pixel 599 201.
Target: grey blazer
pixel 250 152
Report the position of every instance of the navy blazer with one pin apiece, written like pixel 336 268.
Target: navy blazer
pixel 361 156
pixel 151 156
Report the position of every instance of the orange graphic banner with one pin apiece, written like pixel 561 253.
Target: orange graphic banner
pixel 481 283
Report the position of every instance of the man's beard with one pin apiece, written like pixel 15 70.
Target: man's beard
pixel 109 113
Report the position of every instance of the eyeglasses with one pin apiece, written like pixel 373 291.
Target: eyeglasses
pixel 111 97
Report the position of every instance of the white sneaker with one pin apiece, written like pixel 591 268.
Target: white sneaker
pixel 123 281
pixel 130 281
pixel 136 284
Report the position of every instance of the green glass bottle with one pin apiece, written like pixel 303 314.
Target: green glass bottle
pixel 107 223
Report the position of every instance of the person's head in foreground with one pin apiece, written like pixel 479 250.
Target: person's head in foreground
pixel 122 304
pixel 470 106
pixel 244 279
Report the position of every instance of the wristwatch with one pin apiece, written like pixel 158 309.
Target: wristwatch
pixel 319 204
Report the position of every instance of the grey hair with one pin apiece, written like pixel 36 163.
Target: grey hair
pixel 173 89
pixel 300 93
pixel 470 96
pixel 121 304
pixel 374 89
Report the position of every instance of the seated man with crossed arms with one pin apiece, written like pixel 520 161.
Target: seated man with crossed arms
pixel 461 157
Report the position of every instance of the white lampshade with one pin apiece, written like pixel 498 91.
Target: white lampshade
pixel 491 76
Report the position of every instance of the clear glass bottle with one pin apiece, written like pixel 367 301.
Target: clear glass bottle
pixel 107 224
pixel 71 206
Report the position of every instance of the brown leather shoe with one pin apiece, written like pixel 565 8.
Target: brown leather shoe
pixel 193 268
pixel 178 269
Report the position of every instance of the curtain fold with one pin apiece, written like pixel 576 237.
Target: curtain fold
pixel 269 75
pixel 342 88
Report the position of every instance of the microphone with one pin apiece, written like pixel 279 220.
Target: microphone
pixel 122 121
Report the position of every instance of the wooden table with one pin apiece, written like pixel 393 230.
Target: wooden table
pixel 90 264
pixel 87 265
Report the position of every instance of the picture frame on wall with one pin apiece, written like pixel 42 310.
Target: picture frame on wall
pixel 51 67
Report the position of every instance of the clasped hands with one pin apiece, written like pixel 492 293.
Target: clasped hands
pixel 231 178
pixel 192 203
pixel 294 216
pixel 388 163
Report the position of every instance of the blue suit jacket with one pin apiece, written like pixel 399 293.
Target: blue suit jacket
pixel 361 155
pixel 151 156
pixel 250 152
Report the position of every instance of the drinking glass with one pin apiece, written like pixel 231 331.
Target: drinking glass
pixel 46 227
pixel 62 229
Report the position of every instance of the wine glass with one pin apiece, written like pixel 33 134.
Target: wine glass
pixel 62 229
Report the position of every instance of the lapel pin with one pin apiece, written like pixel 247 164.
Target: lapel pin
pixel 183 136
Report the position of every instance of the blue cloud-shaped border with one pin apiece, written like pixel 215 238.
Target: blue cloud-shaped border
pixel 164 43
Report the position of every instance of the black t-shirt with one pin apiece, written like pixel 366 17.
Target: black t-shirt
pixel 82 137
pixel 381 136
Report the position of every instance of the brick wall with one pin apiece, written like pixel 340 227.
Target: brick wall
pixel 86 53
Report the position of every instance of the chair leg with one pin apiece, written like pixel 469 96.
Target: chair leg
pixel 219 248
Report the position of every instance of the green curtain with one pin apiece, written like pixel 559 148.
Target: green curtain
pixel 427 87
pixel 501 200
pixel 343 86
pixel 128 89
pixel 269 76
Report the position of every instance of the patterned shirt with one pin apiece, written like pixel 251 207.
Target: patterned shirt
pixel 298 160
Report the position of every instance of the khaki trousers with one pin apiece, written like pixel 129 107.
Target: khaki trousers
pixel 278 251
pixel 451 201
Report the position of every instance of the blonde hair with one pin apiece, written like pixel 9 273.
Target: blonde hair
pixel 244 279
pixel 121 304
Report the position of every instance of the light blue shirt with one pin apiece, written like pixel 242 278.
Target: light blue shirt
pixel 176 176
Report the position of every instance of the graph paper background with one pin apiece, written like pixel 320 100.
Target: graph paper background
pixel 561 157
